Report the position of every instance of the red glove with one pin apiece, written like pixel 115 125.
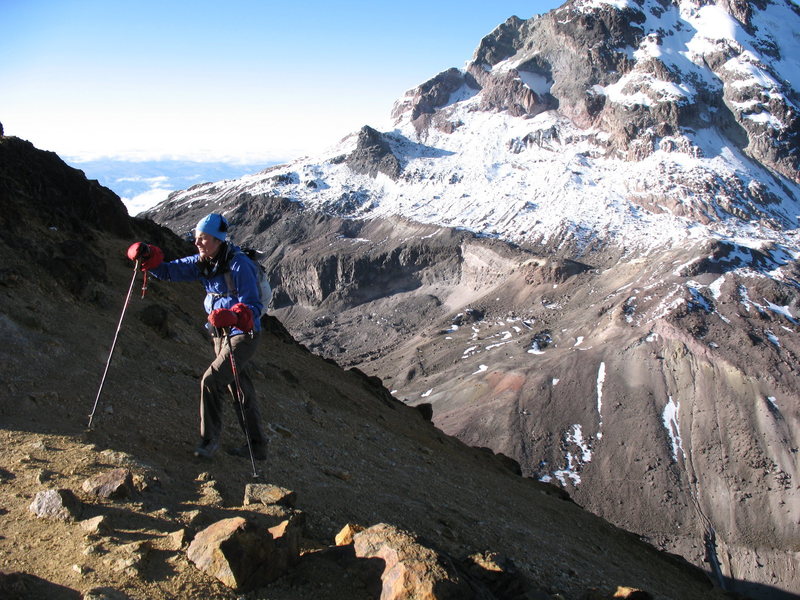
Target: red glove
pixel 222 317
pixel 137 250
pixel 153 259
pixel 151 256
pixel 244 317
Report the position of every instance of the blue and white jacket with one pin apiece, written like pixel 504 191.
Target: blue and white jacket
pixel 212 275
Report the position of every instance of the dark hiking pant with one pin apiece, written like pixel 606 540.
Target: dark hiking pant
pixel 218 383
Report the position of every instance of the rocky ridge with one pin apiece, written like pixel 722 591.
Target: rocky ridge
pixel 125 511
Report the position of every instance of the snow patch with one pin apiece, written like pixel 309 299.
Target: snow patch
pixel 601 378
pixel 538 83
pixel 772 338
pixel 670 419
pixel 575 461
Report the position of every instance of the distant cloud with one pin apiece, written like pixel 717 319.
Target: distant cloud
pixel 145 200
pixel 153 181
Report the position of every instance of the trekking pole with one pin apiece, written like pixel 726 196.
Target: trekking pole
pixel 240 395
pixel 113 344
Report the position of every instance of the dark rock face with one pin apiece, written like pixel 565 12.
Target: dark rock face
pixel 432 95
pixel 52 215
pixel 373 155
pixel 49 186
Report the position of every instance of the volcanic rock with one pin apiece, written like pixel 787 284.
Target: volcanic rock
pixel 265 493
pixel 57 504
pixel 412 570
pixel 117 484
pixel 236 553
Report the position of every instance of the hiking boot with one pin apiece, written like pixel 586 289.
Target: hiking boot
pixel 206 448
pixel 259 451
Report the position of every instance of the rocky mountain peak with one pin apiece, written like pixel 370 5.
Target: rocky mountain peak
pixel 645 73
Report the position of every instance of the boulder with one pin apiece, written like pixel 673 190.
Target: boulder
pixel 412 571
pixel 60 505
pixel 235 552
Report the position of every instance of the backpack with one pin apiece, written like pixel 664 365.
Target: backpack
pixel 263 280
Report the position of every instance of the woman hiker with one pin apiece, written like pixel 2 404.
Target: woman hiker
pixel 233 296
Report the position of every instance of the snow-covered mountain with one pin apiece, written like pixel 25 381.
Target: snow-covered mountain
pixel 645 124
pixel 581 250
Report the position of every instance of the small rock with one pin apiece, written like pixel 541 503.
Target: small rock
pixel 122 459
pixel 117 483
pixel 210 494
pixel 190 517
pixel 631 593
pixel 129 564
pixel 280 430
pixel 345 536
pixel 38 445
pixel 265 493
pixel 339 474
pixel 133 556
pixel 41 476
pixel 61 505
pixel 140 549
pixel 173 541
pixel 104 593
pixel 140 483
pixel 96 525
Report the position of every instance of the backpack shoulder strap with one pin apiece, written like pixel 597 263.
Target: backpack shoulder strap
pixel 232 291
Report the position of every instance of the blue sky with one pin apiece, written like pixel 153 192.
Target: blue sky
pixel 233 81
